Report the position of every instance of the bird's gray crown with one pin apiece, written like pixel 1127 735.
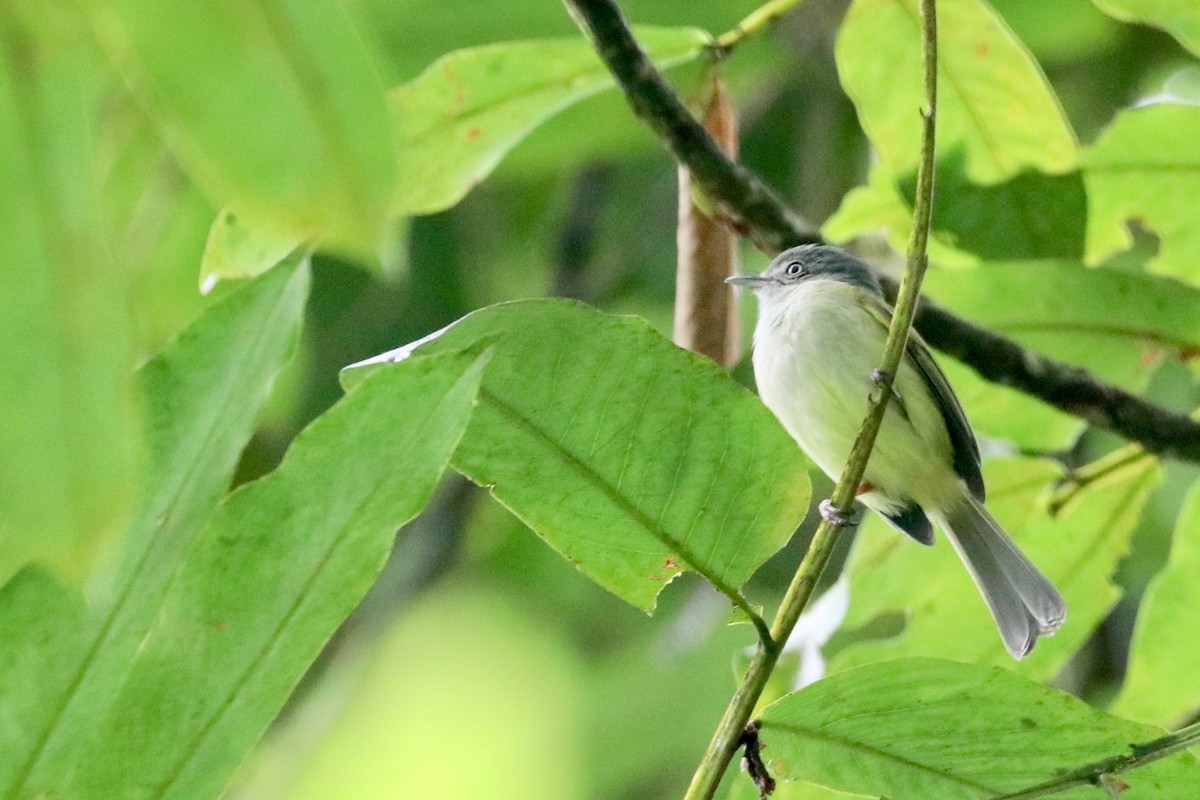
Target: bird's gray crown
pixel 820 261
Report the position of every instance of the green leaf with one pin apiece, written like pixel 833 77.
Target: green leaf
pixel 1030 215
pixel 1061 301
pixel 273 106
pixel 634 459
pixel 1060 32
pixel 457 120
pixel 1145 167
pixel 995 107
pixel 1165 644
pixel 201 397
pixel 1005 186
pixel 270 578
pixel 920 728
pixel 234 250
pixel 1077 549
pixel 1118 325
pixel 1180 18
pixel 68 422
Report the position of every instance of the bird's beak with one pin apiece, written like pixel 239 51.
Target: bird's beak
pixel 747 280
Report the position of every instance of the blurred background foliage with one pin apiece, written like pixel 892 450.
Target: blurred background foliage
pixel 481 664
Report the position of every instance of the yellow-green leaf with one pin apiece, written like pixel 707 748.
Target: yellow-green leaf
pixel 995 108
pixel 1145 168
pixel 68 420
pixel 923 728
pixel 272 105
pixel 457 120
pixel 633 458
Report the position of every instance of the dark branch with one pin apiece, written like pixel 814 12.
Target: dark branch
pixel 748 200
pixel 1064 386
pixel 738 189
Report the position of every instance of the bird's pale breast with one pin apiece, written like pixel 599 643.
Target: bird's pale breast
pixel 815 348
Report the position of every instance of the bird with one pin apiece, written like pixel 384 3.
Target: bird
pixel 822 324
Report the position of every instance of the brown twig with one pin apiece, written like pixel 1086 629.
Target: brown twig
pixel 706 319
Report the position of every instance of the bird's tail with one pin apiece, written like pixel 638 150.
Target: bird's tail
pixel 1024 604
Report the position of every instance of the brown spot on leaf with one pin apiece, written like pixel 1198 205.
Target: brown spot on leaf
pixel 473 133
pixel 657 577
pixel 451 76
pixel 670 563
pixel 220 626
pixel 981 49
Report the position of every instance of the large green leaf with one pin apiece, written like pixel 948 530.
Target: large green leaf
pixel 1115 324
pixel 995 107
pixel 1006 151
pixel 1077 549
pixel 270 578
pixel 63 664
pixel 1029 216
pixel 1180 18
pixel 68 427
pixel 1060 301
pixel 273 106
pixel 1166 641
pixel 914 729
pixel 1146 167
pixel 456 120
pixel 635 459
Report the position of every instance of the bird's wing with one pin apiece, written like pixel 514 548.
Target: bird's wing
pixel 962 440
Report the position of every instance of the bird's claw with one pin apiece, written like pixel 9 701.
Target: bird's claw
pixel 882 378
pixel 834 516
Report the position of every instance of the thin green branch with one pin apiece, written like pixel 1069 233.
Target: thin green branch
pixel 724 743
pixel 760 18
pixel 1096 773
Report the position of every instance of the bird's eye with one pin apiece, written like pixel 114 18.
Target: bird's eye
pixel 793 269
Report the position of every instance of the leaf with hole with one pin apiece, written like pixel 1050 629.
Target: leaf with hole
pixel 1145 168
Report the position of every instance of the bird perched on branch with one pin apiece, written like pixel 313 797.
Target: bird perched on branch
pixel 822 325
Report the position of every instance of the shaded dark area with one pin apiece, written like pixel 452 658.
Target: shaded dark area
pixel 1031 216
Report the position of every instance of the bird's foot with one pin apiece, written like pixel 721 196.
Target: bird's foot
pixel 834 516
pixel 884 379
